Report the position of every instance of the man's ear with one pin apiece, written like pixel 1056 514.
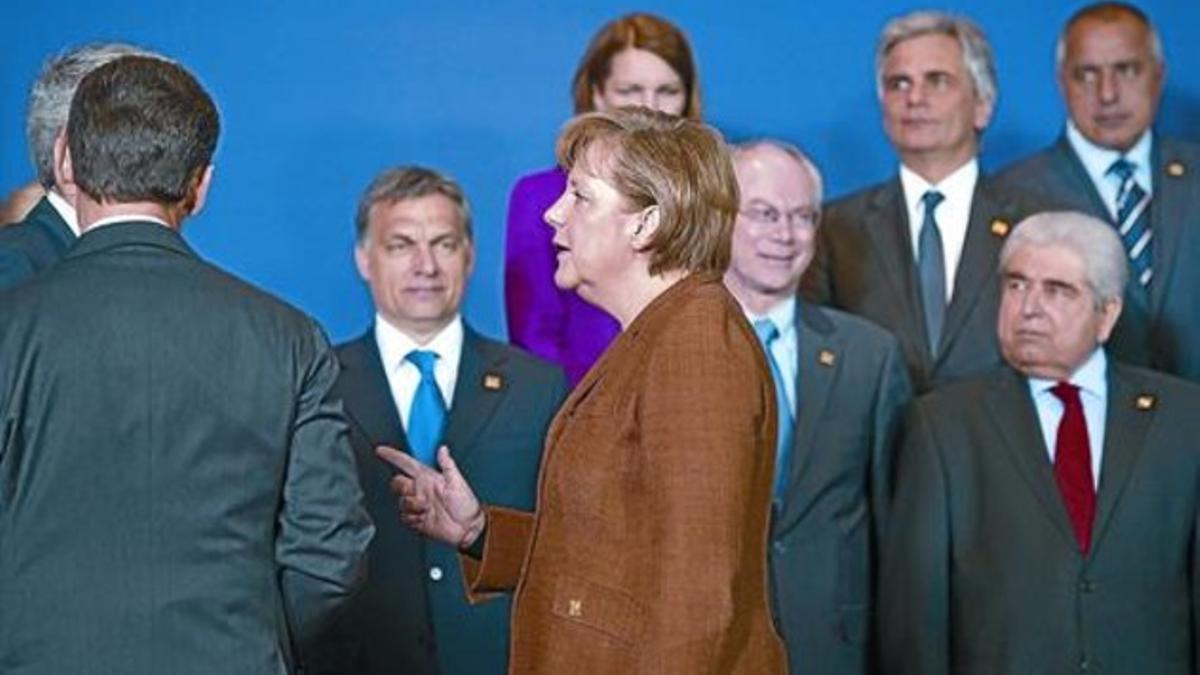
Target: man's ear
pixel 64 170
pixel 200 194
pixel 648 222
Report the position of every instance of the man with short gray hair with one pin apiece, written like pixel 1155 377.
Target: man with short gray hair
pixel 1110 163
pixel 41 238
pixel 917 253
pixel 1045 514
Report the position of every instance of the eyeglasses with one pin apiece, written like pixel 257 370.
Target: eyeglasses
pixel 766 214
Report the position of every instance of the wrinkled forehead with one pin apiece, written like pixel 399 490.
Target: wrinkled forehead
pixel 419 218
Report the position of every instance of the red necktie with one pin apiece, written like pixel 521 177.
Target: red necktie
pixel 1073 465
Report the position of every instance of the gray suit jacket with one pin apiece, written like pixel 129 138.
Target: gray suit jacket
pixel 864 265
pixel 32 245
pixel 1161 329
pixel 982 573
pixel 852 389
pixel 177 493
pixel 413 616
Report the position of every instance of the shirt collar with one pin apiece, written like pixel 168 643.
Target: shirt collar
pixel 959 184
pixel 128 218
pixel 783 315
pixel 1091 377
pixel 394 344
pixel 1097 160
pixel 64 209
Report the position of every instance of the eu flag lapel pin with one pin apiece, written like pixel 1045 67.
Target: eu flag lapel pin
pixel 1145 402
pixel 1176 169
pixel 826 358
pixel 1000 227
pixel 493 382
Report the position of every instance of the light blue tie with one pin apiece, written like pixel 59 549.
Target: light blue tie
pixel 767 335
pixel 1132 222
pixel 427 416
pixel 932 267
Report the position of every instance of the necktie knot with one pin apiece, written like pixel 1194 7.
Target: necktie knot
pixel 424 360
pixel 1066 392
pixel 931 199
pixel 1122 169
pixel 766 331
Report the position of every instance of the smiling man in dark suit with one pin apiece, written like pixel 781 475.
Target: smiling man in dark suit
pixel 49 228
pixel 841 387
pixel 1046 515
pixel 1110 163
pixel 420 378
pixel 177 489
pixel 917 254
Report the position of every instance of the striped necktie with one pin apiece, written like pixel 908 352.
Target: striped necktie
pixel 1133 223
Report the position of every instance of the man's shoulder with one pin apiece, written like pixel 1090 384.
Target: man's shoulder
pixel 856 202
pixel 859 333
pixel 1178 151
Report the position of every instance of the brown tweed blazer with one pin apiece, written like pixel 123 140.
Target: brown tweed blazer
pixel 647 553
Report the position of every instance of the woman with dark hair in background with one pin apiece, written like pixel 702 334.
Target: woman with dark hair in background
pixel 638 59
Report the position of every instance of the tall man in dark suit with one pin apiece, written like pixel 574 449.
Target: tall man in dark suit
pixel 842 386
pixel 418 378
pixel 1047 515
pixel 41 238
pixel 1109 162
pixel 177 489
pixel 917 254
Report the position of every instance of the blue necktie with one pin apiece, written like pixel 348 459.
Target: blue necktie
pixel 767 335
pixel 1132 223
pixel 932 268
pixel 427 416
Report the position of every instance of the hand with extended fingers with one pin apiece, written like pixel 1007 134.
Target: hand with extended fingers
pixel 438 504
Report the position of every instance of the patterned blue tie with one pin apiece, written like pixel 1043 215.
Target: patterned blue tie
pixel 767 335
pixel 932 268
pixel 1132 223
pixel 427 416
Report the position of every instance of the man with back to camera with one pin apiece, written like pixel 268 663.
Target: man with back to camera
pixel 917 254
pixel 177 488
pixel 1109 163
pixel 418 378
pixel 44 232
pixel 1045 517
pixel 841 386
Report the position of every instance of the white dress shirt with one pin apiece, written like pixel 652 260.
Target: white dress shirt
pixel 1092 380
pixel 1097 160
pixel 952 215
pixel 65 210
pixel 785 348
pixel 403 375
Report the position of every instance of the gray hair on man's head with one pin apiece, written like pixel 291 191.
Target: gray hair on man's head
pixel 737 150
pixel 1092 239
pixel 50 97
pixel 1107 12
pixel 976 52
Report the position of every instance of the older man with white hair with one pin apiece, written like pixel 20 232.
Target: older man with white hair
pixel 1045 515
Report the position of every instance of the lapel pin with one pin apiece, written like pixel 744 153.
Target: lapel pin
pixel 492 382
pixel 1145 402
pixel 826 357
pixel 1176 169
pixel 1000 227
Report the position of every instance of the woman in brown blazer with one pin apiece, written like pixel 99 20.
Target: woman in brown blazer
pixel 647 553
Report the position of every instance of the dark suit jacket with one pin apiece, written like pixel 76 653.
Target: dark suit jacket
pixel 852 388
pixel 32 245
pixel 1161 329
pixel 864 265
pixel 177 493
pixel 982 573
pixel 413 615
pixel 647 554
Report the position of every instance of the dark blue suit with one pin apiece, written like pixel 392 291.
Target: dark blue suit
pixel 413 616
pixel 32 245
pixel 1159 328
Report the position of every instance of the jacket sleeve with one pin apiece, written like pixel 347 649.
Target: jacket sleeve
pixel 504 550
pixel 323 530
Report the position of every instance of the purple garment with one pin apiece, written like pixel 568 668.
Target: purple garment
pixel 556 325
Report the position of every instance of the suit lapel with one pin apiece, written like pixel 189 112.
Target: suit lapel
pixel 1074 179
pixel 977 265
pixel 818 355
pixel 886 225
pixel 1125 431
pixel 1168 215
pixel 364 386
pixel 1013 416
pixel 482 383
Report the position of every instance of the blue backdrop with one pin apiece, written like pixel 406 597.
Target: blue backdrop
pixel 317 97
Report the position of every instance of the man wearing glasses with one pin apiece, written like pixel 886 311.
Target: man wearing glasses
pixel 832 471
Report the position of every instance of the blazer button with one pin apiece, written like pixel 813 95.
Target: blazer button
pixel 1087 586
pixel 435 573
